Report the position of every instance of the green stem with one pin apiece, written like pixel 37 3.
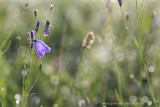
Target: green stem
pixel 132 37
pixel 9 35
pixel 24 78
pixel 142 59
pixel 142 4
pixel 79 63
pixel 120 98
pixel 28 80
pixel 32 85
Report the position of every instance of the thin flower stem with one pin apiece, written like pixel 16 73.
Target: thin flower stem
pixel 132 37
pixel 118 75
pixel 24 74
pixel 32 85
pixel 30 71
pixel 61 51
pixel 138 45
pixel 119 97
pixel 9 35
pixel 142 4
pixel 28 79
pixel 77 69
pixel 79 63
pixel 135 43
pixel 3 52
pixel 62 44
pixel 142 59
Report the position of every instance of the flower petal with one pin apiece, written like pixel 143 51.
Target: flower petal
pixel 41 48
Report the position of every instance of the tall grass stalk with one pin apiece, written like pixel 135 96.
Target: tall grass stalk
pixel 136 45
pixel 119 93
pixel 61 51
pixel 127 28
pixel 79 62
pixel 139 46
pixel 26 82
pixel 24 74
pixel 142 59
pixel 6 39
pixel 120 98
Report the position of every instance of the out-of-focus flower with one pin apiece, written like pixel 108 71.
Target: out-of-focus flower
pixel 32 35
pixel 120 2
pixel 89 39
pixel 156 22
pixel 37 25
pixel 46 30
pixel 41 48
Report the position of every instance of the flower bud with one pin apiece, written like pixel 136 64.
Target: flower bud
pixel 37 25
pixel 31 45
pixel 40 67
pixel 120 2
pixel 32 35
pixel 35 12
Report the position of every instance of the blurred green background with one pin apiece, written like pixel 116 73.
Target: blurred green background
pixel 96 80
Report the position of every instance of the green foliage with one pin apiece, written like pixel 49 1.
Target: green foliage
pixel 122 65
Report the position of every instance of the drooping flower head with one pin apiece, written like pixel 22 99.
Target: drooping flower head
pixel 41 48
pixel 37 25
pixel 120 2
pixel 46 30
pixel 32 35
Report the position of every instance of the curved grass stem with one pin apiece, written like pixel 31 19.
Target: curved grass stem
pixel 27 81
pixel 142 59
pixel 119 96
pixel 132 37
pixel 139 46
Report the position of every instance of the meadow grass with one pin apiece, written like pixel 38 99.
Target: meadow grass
pixel 115 64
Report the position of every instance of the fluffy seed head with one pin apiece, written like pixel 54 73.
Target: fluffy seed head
pixel 89 39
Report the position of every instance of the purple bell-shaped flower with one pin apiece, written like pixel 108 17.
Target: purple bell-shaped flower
pixel 41 48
